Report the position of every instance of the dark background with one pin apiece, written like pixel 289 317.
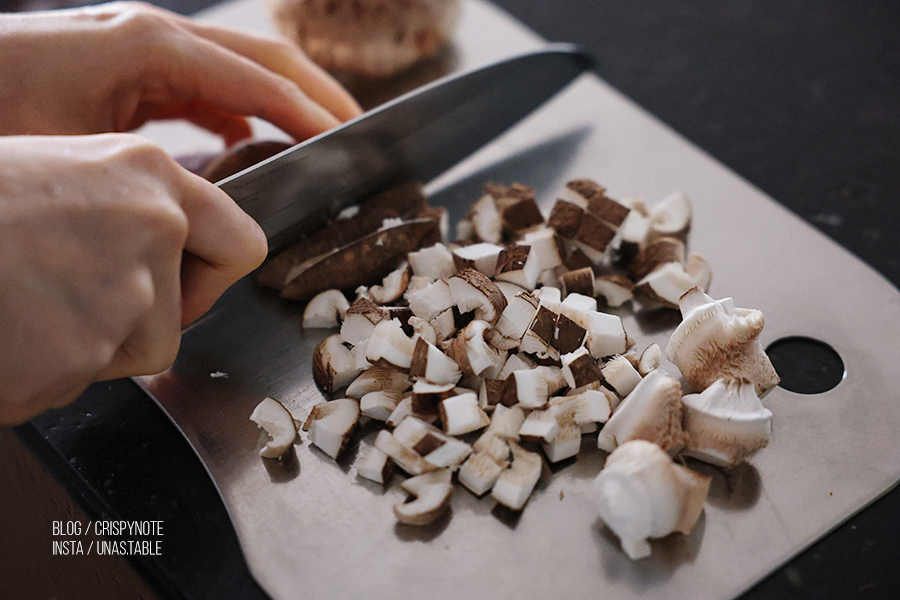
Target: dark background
pixel 801 98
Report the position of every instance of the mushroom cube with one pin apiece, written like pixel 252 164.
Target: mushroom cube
pixel 515 484
pixel 331 424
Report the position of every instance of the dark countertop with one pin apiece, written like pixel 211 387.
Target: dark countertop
pixel 800 98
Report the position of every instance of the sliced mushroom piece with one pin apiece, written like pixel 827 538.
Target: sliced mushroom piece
pixel 538 336
pixel 379 379
pixel 529 388
pixel 565 445
pixel 404 409
pixel 594 236
pixel 565 218
pixel 493 444
pixel 474 291
pixel 568 334
pixel 432 444
pixel 359 262
pixel 594 406
pixel 507 421
pixel 427 397
pixel 517 316
pixel 615 289
pixel 431 301
pixel 671 216
pixel 641 493
pixel 540 426
pixel 444 326
pixel 649 359
pixel 481 256
pixel 431 494
pixel 271 416
pixel 392 286
pixel 331 424
pixel 432 365
pixel 515 362
pixel 716 340
pixel 491 393
pixel 520 215
pixel 389 346
pixel 726 423
pixel 580 368
pixel 515 484
pixel 333 364
pixel 605 333
pixel 373 464
pixel 424 329
pixel 651 412
pixel 461 414
pixel 578 302
pixel 666 284
pixel 486 220
pixel 404 457
pixel 433 263
pixel 547 247
pixel 632 233
pixel 380 405
pixel 518 264
pixel 480 472
pixel 360 319
pixel 699 270
pixel 326 310
pixel 620 373
pixel 656 253
pixel 474 355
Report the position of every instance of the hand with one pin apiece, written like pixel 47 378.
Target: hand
pixel 103 263
pixel 113 67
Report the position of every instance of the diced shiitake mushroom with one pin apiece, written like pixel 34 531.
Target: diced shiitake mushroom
pixel 326 310
pixel 431 494
pixel 271 416
pixel 514 486
pixel 331 424
pixel 333 364
pixel 641 493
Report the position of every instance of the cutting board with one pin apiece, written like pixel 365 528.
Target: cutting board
pixel 309 528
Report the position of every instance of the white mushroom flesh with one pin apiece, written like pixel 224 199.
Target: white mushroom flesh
pixel 271 416
pixel 641 494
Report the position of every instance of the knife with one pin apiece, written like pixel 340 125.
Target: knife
pixel 414 137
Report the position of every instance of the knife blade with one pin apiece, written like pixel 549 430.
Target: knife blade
pixel 415 137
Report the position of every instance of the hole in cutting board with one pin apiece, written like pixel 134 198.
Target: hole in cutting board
pixel 806 365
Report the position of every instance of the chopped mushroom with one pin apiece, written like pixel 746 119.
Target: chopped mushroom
pixel 333 364
pixel 393 285
pixel 652 412
pixel 641 493
pixel 461 414
pixel 515 484
pixel 389 345
pixel 621 374
pixel 331 424
pixel 726 423
pixel 474 291
pixel 671 216
pixel 716 340
pixel 271 416
pixel 431 494
pixel 480 472
pixel 373 464
pixel 326 310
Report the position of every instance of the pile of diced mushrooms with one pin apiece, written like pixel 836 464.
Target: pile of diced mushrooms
pixel 485 357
